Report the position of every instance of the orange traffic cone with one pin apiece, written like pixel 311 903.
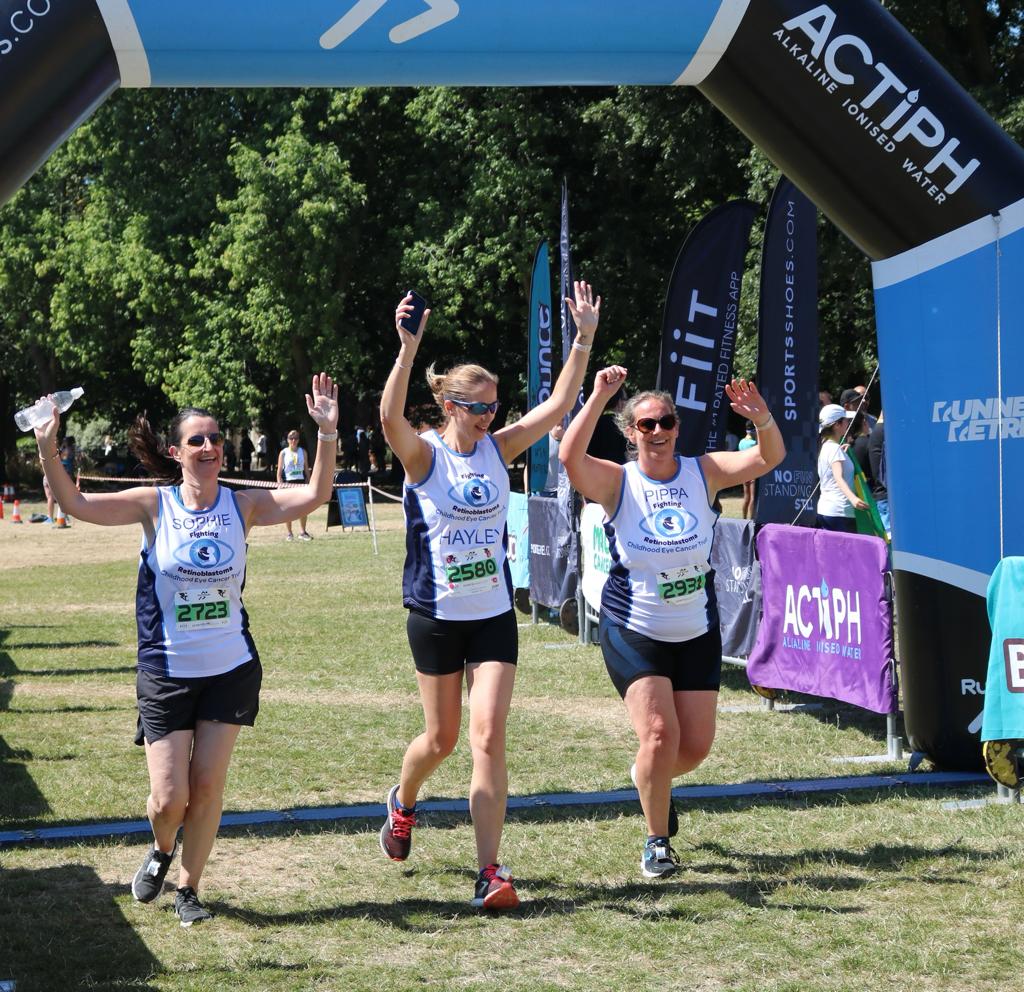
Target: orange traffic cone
pixel 16 516
pixel 62 521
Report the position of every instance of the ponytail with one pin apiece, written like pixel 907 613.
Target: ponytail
pixel 150 448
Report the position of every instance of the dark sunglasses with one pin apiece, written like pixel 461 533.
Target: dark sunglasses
pixel 476 408
pixel 647 424
pixel 198 440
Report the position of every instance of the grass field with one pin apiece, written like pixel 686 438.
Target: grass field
pixel 863 890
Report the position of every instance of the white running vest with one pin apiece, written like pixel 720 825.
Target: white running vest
pixel 456 534
pixel 660 583
pixel 189 601
pixel 293 465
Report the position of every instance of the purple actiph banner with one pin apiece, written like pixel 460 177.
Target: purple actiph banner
pixel 827 625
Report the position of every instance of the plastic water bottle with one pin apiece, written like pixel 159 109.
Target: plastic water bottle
pixel 42 412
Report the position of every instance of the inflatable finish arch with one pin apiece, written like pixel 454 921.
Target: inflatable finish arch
pixel 840 96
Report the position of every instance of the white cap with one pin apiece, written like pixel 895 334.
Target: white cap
pixel 77 391
pixel 832 413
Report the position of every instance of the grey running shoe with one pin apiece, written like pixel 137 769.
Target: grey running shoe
pixel 396 834
pixel 659 859
pixel 673 816
pixel 188 908
pixel 149 879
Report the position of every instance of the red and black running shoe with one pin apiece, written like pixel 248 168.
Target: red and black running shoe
pixel 396 834
pixel 494 889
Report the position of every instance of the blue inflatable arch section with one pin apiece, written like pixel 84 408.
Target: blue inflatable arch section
pixel 838 94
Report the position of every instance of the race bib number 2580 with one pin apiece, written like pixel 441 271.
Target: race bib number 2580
pixel 471 572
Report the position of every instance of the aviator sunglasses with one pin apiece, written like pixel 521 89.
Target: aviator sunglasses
pixel 477 408
pixel 647 424
pixel 198 440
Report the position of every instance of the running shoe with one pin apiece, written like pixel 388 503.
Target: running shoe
pixel 304 536
pixel 188 908
pixel 659 859
pixel 494 889
pixel 290 537
pixel 673 816
pixel 149 879
pixel 396 834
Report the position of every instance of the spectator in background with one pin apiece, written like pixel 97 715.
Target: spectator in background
pixel 261 450
pixel 608 442
pixel 350 449
pixel 363 451
pixel 378 448
pixel 230 455
pixel 856 400
pixel 836 499
pixel 293 466
pixel 69 460
pixel 246 450
pixel 749 440
pixel 879 481
pixel 824 397
pixel 555 436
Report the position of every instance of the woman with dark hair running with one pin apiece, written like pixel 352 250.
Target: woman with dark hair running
pixel 457 586
pixel 659 621
pixel 199 673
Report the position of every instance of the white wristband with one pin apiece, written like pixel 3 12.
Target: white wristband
pixel 581 347
pixel 326 437
pixel 401 366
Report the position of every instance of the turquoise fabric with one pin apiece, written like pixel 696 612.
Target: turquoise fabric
pixel 1004 686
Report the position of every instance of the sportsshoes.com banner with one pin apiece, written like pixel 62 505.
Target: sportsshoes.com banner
pixel 826 628
pixel 787 353
pixel 539 372
pixel 699 327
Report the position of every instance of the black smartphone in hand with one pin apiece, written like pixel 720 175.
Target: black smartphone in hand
pixel 411 323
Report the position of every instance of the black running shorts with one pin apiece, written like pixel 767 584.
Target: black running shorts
pixel 691 666
pixel 443 647
pixel 167 704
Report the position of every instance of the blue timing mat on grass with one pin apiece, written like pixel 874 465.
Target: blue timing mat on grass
pixel 373 811
pixel 1004 686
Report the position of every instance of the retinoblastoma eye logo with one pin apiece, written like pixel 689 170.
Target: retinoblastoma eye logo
pixel 671 523
pixel 204 553
pixel 475 493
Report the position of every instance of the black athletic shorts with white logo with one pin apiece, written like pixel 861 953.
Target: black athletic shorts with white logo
pixel 443 647
pixel 691 666
pixel 168 704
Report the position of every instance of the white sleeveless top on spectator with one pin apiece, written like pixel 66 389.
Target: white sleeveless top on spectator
pixel 293 468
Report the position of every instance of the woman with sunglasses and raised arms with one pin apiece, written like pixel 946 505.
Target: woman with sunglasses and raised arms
pixel 457 585
pixel 199 673
pixel 659 620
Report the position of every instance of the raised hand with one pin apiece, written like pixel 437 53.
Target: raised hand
pixel 609 381
pixel 323 404
pixel 747 401
pixel 586 311
pixel 48 432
